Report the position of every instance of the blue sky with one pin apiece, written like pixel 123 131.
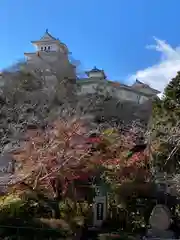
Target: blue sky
pixel 112 35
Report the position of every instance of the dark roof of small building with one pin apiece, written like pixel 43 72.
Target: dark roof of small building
pixel 95 69
pixel 139 84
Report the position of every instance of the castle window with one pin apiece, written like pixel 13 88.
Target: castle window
pixel 44 48
pixel 41 48
pixel 48 47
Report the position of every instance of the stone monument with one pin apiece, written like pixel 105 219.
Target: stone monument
pixel 160 221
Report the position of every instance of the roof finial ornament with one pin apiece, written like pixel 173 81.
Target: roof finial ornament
pixel 46 30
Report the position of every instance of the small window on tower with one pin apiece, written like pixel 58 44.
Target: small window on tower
pixel 44 48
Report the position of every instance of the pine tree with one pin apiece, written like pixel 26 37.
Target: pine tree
pixel 172 91
pixel 165 128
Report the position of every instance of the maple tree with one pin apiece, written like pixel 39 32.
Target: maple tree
pixel 54 162
pixel 66 151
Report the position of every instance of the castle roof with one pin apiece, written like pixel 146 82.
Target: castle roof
pixel 47 36
pixel 140 85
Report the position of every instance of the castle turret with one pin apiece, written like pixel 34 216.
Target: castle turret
pixel 52 58
pixel 145 88
pixel 48 44
pixel 96 73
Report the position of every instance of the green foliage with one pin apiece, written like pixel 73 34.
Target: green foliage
pixel 16 206
pixel 172 91
pixel 71 209
pixel 23 216
pixel 164 129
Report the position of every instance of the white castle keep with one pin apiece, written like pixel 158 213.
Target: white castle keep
pixel 48 47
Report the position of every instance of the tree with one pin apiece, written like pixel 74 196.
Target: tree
pixel 51 123
pixel 53 158
pixel 64 147
pixel 165 129
pixel 34 94
pixel 172 91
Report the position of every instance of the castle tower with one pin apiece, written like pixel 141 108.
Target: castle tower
pixel 51 57
pixel 47 44
pixel 96 73
pixel 144 88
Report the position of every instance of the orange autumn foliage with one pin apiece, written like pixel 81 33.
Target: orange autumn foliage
pixel 65 151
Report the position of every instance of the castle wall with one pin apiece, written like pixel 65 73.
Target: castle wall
pixel 119 93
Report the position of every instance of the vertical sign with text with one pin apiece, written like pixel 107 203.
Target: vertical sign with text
pixel 100 210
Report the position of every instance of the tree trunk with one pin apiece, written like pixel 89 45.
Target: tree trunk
pixel 57 187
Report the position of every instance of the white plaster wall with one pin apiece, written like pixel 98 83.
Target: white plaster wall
pixel 110 89
pixel 88 88
pixel 29 58
pixel 95 75
pixel 127 95
pixel 60 58
pixel 143 99
pixel 92 88
pixel 53 47
pixel 121 94
pixel 146 91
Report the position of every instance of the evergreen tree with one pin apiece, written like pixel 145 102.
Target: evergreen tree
pixel 165 129
pixel 172 91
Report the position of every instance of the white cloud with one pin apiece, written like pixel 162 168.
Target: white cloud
pixel 159 75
